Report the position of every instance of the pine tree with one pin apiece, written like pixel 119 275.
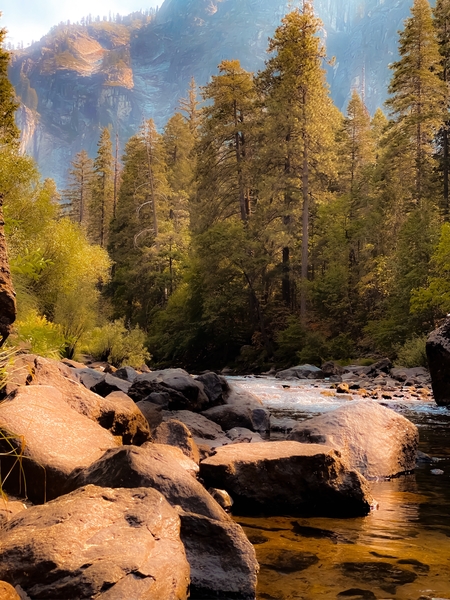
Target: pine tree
pixel 418 96
pixel 225 144
pixel 8 105
pixel 300 122
pixel 102 192
pixel 190 106
pixel 442 27
pixel 78 192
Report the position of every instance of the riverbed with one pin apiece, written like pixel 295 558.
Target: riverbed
pixel 400 550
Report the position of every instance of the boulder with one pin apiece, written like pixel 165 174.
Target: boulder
pixel 240 435
pixel 234 394
pixel 374 440
pixel 287 477
pixel 331 369
pixel 222 560
pixel 175 433
pixel 184 391
pixel 152 413
pixel 49 439
pixel 88 377
pixel 438 354
pixel 111 383
pixel 9 508
pixel 7 592
pixel 403 374
pixel 97 542
pixel 126 373
pixel 215 387
pixel 229 416
pixel 204 431
pixel 151 465
pixel 301 372
pixel 120 417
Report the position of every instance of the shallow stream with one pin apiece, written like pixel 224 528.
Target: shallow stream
pixel 401 550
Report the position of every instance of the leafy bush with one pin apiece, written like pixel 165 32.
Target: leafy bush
pixel 39 336
pixel 412 353
pixel 118 345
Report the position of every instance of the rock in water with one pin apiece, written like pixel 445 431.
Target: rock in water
pixel 287 477
pixel 374 440
pixel 438 354
pixel 112 544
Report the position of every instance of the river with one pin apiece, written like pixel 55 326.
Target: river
pixel 400 550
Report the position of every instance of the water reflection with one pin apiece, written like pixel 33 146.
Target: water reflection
pixel 401 550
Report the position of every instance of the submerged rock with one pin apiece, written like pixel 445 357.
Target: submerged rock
pixel 280 477
pixel 374 440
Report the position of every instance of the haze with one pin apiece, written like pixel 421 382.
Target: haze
pixel 28 20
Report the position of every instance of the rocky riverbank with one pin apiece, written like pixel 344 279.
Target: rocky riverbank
pixel 129 472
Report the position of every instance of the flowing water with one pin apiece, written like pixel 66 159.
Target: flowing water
pixel 401 550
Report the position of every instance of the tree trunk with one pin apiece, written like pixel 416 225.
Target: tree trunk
pixel 305 231
pixel 7 294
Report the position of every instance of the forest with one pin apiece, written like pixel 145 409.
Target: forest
pixel 261 227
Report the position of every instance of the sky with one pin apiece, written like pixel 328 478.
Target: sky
pixel 28 20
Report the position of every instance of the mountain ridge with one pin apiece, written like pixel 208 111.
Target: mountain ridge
pixel 80 78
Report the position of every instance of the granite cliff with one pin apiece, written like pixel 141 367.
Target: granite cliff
pixel 80 78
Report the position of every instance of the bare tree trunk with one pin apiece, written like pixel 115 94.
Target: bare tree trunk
pixel 305 231
pixel 7 295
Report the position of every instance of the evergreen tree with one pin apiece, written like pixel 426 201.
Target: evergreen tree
pixel 8 105
pixel 78 192
pixel 442 26
pixel 300 122
pixel 224 183
pixel 102 191
pixel 418 97
pixel 190 106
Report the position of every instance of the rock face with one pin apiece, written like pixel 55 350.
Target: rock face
pixel 175 433
pixel 52 438
pixel 438 354
pixel 374 440
pixel 229 416
pixel 112 73
pixel 280 477
pixel 97 542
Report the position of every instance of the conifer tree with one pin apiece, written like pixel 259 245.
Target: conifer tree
pixel 225 145
pixel 442 27
pixel 102 194
pixel 300 122
pixel 190 106
pixel 78 191
pixel 8 105
pixel 418 96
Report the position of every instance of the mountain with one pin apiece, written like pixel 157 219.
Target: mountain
pixel 80 78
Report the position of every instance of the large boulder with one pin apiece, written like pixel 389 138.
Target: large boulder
pixel 175 433
pixel 151 465
pixel 112 544
pixel 153 413
pixel 301 372
pixel 204 431
pixel 184 391
pixel 287 477
pixel 229 416
pixel 438 354
pixel 375 440
pixel 117 413
pixel 215 387
pixel 43 440
pixel 222 560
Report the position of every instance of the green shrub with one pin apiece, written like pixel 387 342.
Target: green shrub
pixel 412 353
pixel 39 336
pixel 117 345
